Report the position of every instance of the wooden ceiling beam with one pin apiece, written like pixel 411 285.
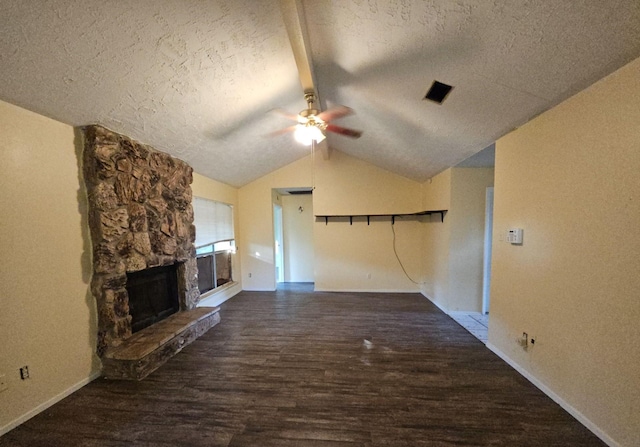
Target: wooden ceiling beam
pixel 296 25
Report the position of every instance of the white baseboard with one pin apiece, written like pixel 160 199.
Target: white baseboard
pixel 438 305
pixel 321 289
pixel 454 313
pixel 557 399
pixel 43 406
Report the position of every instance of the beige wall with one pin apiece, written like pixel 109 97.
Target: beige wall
pixel 466 248
pixel 207 188
pixel 453 249
pixel 570 179
pixel 436 192
pixel 436 195
pixel 360 257
pixel 47 313
pixel 346 185
pixel 256 242
pixel 298 238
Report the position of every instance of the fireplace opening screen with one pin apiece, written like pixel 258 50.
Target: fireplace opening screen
pixel 153 295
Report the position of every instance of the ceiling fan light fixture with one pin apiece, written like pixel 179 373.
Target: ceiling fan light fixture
pixel 312 123
pixel 306 134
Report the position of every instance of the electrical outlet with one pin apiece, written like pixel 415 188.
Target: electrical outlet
pixel 24 372
pixel 4 385
pixel 249 275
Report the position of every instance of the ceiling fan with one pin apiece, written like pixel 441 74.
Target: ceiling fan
pixel 312 123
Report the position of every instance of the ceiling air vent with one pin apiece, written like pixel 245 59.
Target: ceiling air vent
pixel 438 92
pixel 300 191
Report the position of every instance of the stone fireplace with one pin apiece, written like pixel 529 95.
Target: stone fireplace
pixel 141 222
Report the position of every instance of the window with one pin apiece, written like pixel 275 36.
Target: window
pixel 215 244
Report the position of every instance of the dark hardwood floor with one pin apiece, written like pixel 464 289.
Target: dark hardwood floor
pixel 293 368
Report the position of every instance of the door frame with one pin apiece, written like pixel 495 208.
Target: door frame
pixel 488 240
pixel 278 245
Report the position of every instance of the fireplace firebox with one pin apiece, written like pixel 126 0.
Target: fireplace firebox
pixel 153 295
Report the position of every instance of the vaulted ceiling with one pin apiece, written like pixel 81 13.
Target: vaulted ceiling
pixel 198 78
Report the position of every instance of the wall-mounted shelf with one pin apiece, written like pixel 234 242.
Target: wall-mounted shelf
pixel 392 216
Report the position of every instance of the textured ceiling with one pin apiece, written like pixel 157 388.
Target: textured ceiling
pixel 196 78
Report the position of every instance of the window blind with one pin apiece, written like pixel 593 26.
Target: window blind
pixel 213 221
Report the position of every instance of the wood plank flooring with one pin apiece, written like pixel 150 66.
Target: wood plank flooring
pixel 293 368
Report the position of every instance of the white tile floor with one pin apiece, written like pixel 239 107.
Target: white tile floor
pixel 474 322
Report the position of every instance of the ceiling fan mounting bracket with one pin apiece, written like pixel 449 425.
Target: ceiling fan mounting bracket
pixel 309 116
pixel 310 97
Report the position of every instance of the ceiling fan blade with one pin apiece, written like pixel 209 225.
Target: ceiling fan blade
pixel 335 113
pixel 286 114
pixel 281 131
pixel 344 131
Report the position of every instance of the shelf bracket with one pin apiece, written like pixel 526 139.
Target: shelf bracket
pixel 393 219
pixel 326 220
pixel 368 219
pixel 350 220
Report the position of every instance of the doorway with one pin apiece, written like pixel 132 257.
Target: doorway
pixel 299 253
pixel 293 224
